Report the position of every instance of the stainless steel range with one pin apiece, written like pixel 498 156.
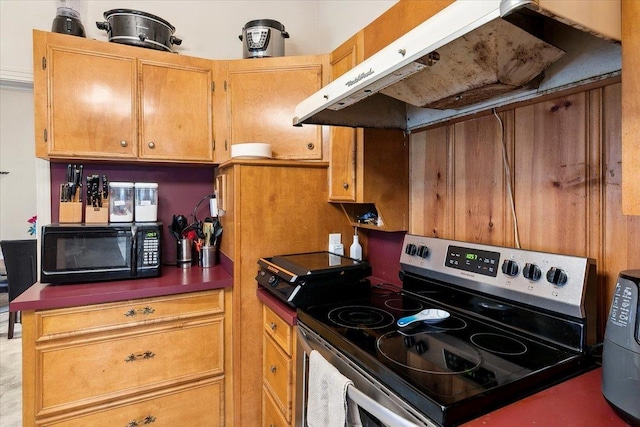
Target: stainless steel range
pixel 473 328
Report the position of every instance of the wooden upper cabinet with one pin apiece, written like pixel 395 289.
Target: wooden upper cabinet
pixel 630 107
pixel 91 100
pixel 398 20
pixel 262 95
pixel 100 100
pixel 369 168
pixel 343 140
pixel 175 112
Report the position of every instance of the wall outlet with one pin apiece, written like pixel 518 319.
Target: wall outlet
pixel 335 244
pixel 335 238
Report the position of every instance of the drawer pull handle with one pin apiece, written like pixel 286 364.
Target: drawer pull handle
pixel 272 369
pixel 144 311
pixel 140 356
pixel 146 420
pixel 273 326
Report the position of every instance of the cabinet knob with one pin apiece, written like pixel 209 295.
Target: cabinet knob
pixel 273 326
pixel 152 144
pixel 123 143
pixel 272 369
pixel 345 185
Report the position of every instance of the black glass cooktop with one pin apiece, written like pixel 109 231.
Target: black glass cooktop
pixel 452 369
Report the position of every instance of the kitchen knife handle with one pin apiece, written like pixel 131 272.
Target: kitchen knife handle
pixel 80 173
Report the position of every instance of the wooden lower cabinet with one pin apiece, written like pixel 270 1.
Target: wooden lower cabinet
pixel 279 377
pixel 194 405
pixel 271 414
pixel 271 207
pixel 158 360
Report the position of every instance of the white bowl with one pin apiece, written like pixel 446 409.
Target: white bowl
pixel 251 150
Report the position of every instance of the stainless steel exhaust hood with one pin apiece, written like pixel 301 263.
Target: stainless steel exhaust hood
pixel 472 55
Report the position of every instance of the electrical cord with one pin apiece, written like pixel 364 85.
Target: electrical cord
pixel 208 196
pixel 507 171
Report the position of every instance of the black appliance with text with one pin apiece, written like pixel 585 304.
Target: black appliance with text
pixel 621 349
pixel 474 327
pixel 79 253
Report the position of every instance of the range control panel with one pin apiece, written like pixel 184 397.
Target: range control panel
pixel 554 282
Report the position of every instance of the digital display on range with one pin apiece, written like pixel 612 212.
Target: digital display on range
pixel 473 260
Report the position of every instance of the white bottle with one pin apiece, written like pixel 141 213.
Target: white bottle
pixel 356 249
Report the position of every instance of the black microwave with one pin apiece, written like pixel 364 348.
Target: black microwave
pixel 79 253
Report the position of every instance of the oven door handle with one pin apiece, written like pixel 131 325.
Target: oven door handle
pixel 386 416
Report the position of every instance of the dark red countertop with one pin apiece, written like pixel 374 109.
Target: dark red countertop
pixel 577 402
pixel 173 281
pixel 286 312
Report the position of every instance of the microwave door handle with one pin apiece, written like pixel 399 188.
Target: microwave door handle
pixel 134 251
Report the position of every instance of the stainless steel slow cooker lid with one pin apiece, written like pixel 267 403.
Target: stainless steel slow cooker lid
pixel 266 23
pixel 113 12
pixel 136 28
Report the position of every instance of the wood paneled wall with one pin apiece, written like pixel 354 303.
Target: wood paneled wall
pixel 564 166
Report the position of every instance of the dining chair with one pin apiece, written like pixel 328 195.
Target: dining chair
pixel 20 259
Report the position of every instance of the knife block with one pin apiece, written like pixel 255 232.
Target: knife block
pixel 70 212
pixel 95 215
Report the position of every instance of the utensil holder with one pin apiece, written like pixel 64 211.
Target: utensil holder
pixel 97 215
pixel 208 256
pixel 184 253
pixel 70 212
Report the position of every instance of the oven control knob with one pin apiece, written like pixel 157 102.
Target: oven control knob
pixel 510 268
pixel 411 249
pixel 423 251
pixel 532 272
pixel 557 276
pixel 273 281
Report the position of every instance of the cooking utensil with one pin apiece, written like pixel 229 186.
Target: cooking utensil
pixel 133 27
pixel 207 230
pixel 217 232
pixel 174 227
pixel 428 316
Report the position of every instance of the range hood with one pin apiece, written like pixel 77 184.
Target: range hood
pixel 473 55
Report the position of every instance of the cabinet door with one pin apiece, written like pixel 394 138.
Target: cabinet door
pixel 344 140
pixel 176 112
pixel 630 108
pixel 263 94
pixel 91 104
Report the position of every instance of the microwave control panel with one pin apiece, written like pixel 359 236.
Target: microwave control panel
pixel 150 253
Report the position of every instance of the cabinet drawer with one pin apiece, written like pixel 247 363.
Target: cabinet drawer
pixel 104 317
pixel 277 329
pixel 197 406
pixel 84 373
pixel 271 415
pixel 278 376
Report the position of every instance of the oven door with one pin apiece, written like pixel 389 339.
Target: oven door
pixel 378 405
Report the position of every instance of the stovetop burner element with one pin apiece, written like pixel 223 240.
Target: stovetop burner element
pixel 402 304
pixel 360 317
pixel 430 353
pixel 498 344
